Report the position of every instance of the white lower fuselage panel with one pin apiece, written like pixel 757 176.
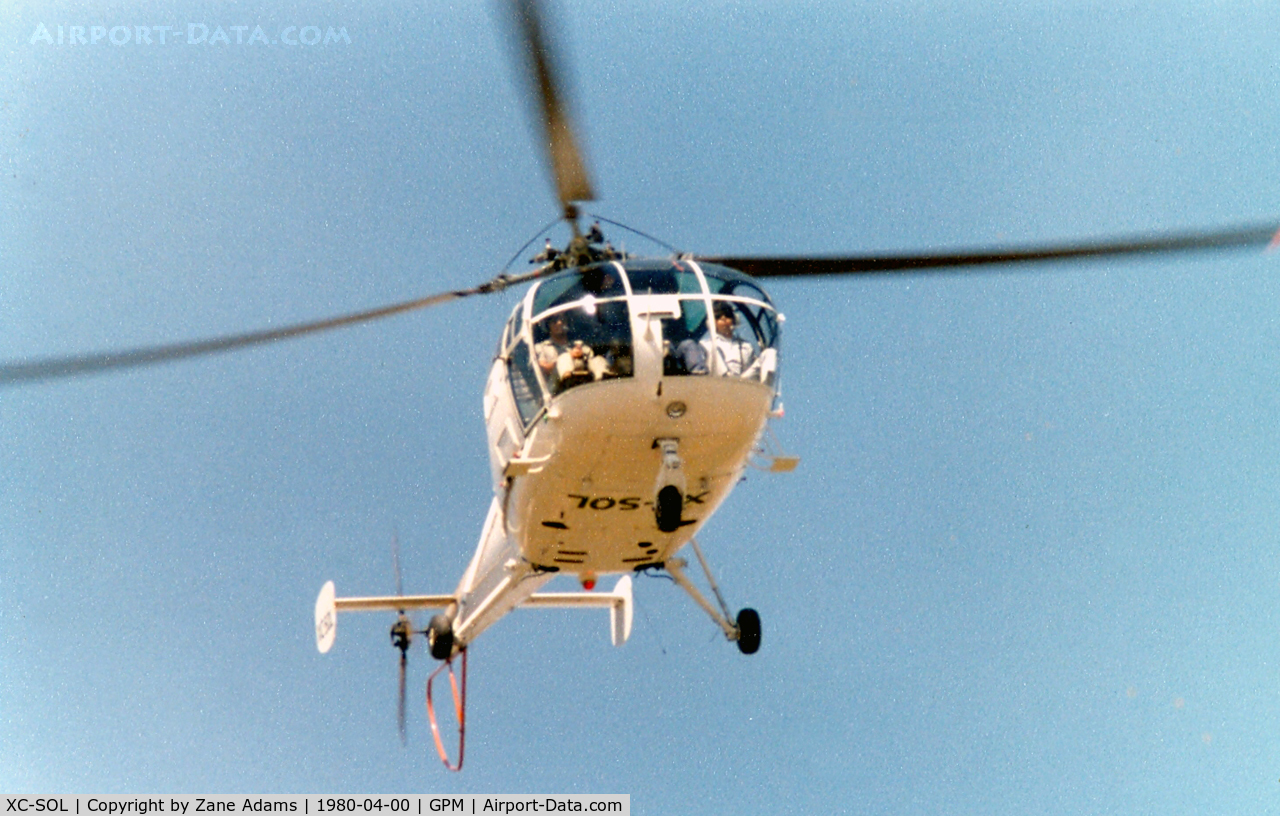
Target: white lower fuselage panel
pixel 590 507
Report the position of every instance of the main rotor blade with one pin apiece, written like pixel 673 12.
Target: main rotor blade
pixel 56 367
pixel 395 560
pixel 567 167
pixel 1151 244
pixel 74 365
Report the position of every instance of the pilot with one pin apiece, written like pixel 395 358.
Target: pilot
pixel 690 357
pixel 736 357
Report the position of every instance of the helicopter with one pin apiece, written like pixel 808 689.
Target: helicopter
pixel 635 315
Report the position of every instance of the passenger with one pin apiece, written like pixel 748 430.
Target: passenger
pixel 564 362
pixel 549 350
pixel 737 357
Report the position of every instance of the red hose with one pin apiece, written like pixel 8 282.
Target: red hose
pixel 459 707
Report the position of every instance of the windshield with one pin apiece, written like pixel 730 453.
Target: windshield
pixel 585 342
pixel 582 325
pixel 600 281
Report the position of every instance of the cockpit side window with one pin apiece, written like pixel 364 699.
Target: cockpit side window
pixel 724 281
pixel 759 321
pixel 512 329
pixel 524 384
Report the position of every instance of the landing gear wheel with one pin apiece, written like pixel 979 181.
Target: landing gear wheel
pixel 748 624
pixel 440 637
pixel 670 504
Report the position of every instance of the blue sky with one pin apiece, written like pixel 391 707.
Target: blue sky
pixel 1028 561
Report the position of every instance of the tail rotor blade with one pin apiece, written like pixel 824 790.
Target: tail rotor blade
pixel 404 632
pixel 404 661
pixel 402 638
pixel 395 559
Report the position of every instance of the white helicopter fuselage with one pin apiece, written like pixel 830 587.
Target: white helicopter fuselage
pixel 577 469
pixel 624 402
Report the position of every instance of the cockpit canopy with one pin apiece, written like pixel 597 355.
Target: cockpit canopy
pixel 576 328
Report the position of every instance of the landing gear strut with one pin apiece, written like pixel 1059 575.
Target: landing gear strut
pixel 744 629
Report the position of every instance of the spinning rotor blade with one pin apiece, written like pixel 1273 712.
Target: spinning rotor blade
pixel 567 167
pixel 75 365
pixel 395 562
pixel 404 738
pixel 1152 244
pixel 405 631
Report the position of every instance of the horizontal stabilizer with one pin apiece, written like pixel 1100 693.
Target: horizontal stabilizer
pixel 328 607
pixel 393 603
pixel 618 602
pixel 326 619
